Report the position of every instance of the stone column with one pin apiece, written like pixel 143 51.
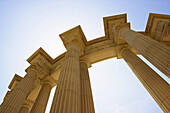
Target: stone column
pixel 17 97
pixel 157 53
pixel 24 109
pixel 158 88
pixel 42 98
pixel 87 105
pixel 67 94
pixel 7 95
pixel 26 106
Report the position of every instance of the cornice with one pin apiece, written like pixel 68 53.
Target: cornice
pixel 40 53
pixel 96 40
pixel 6 95
pixel 59 58
pixel 151 18
pixel 111 22
pixel 157 27
pixel 76 36
pixel 15 79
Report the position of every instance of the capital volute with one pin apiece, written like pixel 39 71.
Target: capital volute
pixel 32 68
pixel 74 36
pixel 120 48
pixel 41 73
pixel 123 48
pixel 49 80
pixel 27 103
pixel 86 61
pixel 119 27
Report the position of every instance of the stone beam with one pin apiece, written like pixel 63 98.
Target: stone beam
pixel 41 58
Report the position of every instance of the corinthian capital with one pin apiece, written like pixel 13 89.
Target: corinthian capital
pixel 38 69
pixel 74 36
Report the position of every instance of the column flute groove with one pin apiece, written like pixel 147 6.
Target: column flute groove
pixel 87 104
pixel 69 91
pixel 155 52
pixel 158 88
pixel 17 97
pixel 42 98
pixel 66 95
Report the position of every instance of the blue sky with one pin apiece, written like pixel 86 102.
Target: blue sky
pixel 27 25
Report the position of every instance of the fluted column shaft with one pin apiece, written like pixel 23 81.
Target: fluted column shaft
pixel 17 97
pixel 87 105
pixel 155 85
pixel 157 53
pixel 42 98
pixel 67 94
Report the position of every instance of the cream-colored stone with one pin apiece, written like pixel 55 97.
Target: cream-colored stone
pixel 110 24
pixel 67 94
pixel 64 69
pixel 87 105
pixel 157 27
pixel 158 88
pixel 26 106
pixel 17 97
pixel 42 98
pixel 157 53
pixel 16 79
pixel 76 36
pixel 24 109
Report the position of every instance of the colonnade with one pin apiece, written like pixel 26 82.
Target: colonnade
pixel 17 97
pixel 73 92
pixel 155 52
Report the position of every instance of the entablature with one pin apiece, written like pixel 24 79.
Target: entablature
pixel 98 46
pixel 110 24
pixel 74 36
pixel 158 27
pixel 15 80
pixel 40 53
pixel 99 49
pixel 42 60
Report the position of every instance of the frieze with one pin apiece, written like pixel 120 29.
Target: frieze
pixel 99 46
pixel 43 65
pixel 161 30
pixel 71 39
pixel 167 31
pixel 39 62
pixel 74 34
